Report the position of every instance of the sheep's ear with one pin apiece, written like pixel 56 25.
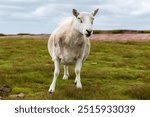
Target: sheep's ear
pixel 95 12
pixel 75 12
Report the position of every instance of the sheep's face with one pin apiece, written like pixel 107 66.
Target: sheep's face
pixel 84 22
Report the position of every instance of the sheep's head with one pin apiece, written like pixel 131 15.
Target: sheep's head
pixel 84 21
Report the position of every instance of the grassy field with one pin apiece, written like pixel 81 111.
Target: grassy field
pixel 122 71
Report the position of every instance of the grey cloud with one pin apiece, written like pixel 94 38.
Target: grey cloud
pixel 124 8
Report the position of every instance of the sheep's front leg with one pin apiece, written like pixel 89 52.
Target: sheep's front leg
pixel 66 73
pixel 56 73
pixel 78 66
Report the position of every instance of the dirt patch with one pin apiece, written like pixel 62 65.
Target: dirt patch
pixel 109 37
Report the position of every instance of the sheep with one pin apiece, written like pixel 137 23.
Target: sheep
pixel 69 44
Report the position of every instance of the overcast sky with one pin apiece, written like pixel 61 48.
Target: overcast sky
pixel 42 16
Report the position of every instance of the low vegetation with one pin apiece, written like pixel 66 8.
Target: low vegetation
pixel 114 70
pixel 24 34
pixel 1 34
pixel 121 31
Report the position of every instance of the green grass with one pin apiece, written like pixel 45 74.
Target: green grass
pixel 122 71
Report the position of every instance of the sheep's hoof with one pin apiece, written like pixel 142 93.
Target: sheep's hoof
pixel 50 91
pixel 65 77
pixel 79 86
pixel 75 83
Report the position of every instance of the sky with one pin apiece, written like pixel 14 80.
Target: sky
pixel 42 16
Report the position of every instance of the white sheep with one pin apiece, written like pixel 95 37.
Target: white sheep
pixel 69 44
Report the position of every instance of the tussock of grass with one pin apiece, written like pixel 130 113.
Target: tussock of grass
pixel 140 92
pixel 122 71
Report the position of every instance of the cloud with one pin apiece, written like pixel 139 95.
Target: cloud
pixel 50 9
pixel 43 10
pixel 63 7
pixel 123 14
pixel 43 15
pixel 124 8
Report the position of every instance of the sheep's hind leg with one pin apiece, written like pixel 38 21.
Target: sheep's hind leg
pixel 66 73
pixel 56 73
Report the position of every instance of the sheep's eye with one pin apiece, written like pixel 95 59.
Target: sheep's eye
pixel 80 20
pixel 92 20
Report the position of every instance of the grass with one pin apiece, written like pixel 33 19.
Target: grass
pixel 122 71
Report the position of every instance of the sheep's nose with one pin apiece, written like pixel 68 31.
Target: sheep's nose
pixel 89 31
